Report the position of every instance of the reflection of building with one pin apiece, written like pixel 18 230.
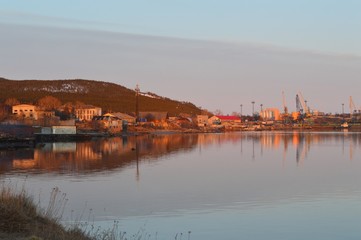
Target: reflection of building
pixel 87 112
pixel 115 153
pixel 23 159
pixel 85 152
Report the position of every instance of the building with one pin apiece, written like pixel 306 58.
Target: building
pixel 87 112
pixel 25 111
pixel 129 119
pixel 108 123
pixel 44 113
pixel 220 119
pixel 202 120
pixel 59 130
pixel 29 114
pixel 270 114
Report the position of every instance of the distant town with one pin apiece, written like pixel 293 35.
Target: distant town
pixel 50 120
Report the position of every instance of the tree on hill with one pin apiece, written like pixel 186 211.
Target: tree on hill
pixel 49 103
pixel 79 104
pixel 66 112
pixel 11 102
pixel 218 112
pixel 8 104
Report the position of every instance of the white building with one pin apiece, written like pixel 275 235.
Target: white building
pixel 25 111
pixel 87 112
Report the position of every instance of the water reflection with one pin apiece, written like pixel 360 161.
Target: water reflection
pixel 216 185
pixel 115 153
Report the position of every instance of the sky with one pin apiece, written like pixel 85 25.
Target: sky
pixel 218 55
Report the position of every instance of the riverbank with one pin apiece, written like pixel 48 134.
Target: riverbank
pixel 13 142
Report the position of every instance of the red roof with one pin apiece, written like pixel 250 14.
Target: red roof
pixel 228 118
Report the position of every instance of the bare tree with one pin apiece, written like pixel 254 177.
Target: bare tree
pixel 49 103
pixel 218 112
pixel 11 102
pixel 79 104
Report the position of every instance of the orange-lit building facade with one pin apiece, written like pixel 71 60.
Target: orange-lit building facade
pixel 271 114
pixel 87 112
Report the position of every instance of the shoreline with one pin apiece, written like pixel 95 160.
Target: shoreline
pixel 13 142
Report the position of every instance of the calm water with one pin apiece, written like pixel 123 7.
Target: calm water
pixel 218 186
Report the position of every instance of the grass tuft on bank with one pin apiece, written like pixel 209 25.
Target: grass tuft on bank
pixel 21 219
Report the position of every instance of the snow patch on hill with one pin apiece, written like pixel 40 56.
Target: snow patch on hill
pixel 65 87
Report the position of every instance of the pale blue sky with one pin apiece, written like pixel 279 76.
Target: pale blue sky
pixel 216 54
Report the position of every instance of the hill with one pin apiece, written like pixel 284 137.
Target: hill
pixel 109 96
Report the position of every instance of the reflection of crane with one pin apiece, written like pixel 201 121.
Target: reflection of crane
pixel 351 150
pixel 301 149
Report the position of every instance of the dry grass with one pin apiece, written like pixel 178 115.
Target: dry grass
pixel 20 217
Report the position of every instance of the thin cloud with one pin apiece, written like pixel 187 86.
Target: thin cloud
pixel 27 19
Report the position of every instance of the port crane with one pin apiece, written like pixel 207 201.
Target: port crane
pixel 286 115
pixel 353 109
pixel 301 105
pixel 285 109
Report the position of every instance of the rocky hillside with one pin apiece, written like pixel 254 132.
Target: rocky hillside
pixel 108 96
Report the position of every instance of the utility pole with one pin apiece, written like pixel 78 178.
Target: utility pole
pixel 137 91
pixel 343 108
pixel 253 102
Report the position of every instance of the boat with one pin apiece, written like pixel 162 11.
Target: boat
pixel 343 125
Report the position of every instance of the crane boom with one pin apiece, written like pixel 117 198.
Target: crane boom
pixel 299 106
pixel 303 102
pixel 285 109
pixel 352 106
